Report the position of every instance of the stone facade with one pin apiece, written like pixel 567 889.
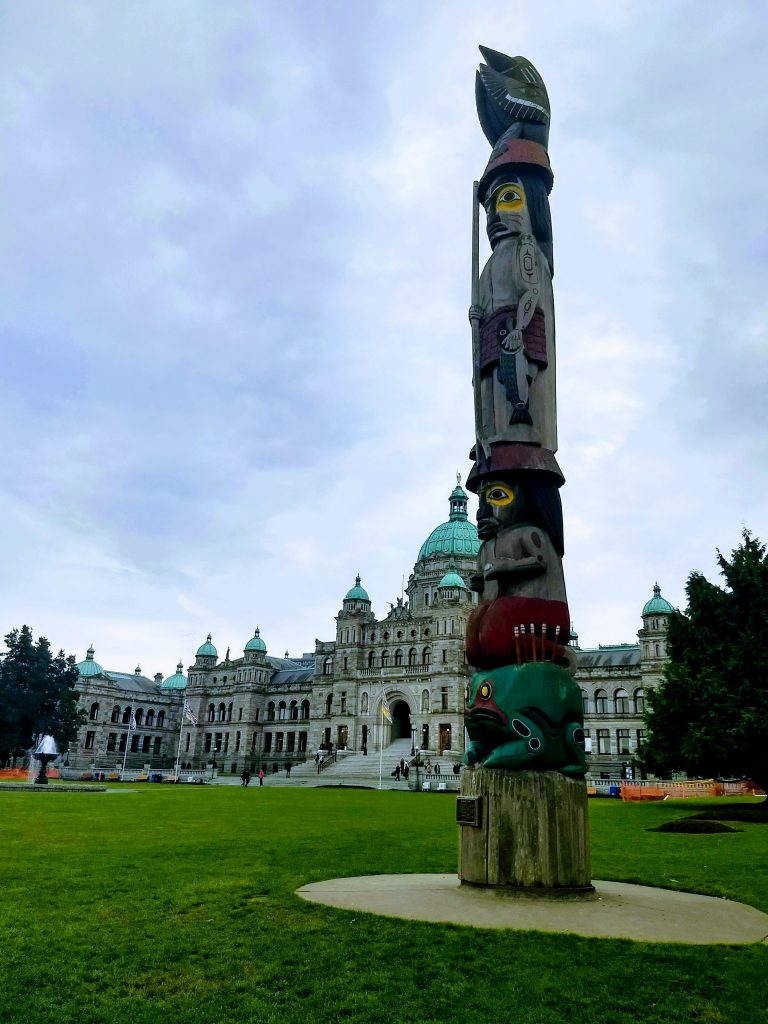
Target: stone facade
pixel 112 700
pixel 259 710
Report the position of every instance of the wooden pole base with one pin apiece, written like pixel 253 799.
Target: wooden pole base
pixel 533 832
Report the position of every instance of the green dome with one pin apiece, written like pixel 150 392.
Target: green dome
pixel 452 579
pixel 657 605
pixel 456 537
pixel 207 650
pixel 256 643
pixel 89 667
pixel 357 593
pixel 178 681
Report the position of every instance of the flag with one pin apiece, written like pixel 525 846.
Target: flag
pixel 386 711
pixel 132 723
pixel 189 714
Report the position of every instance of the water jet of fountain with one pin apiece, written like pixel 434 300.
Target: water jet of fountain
pixel 45 752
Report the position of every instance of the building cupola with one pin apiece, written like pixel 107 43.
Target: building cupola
pixel 206 654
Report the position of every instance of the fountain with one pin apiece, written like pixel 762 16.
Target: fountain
pixel 45 752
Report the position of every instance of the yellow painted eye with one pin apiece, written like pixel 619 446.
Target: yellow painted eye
pixel 510 197
pixel 499 495
pixel 486 691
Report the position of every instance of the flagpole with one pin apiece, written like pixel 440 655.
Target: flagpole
pixel 125 754
pixel 178 751
pixel 381 738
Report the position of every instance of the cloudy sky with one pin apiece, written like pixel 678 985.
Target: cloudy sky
pixel 235 268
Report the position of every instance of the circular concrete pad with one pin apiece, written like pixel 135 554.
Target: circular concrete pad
pixel 616 911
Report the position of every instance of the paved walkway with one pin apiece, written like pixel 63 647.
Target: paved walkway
pixel 617 910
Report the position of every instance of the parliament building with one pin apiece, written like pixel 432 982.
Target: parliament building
pixel 258 710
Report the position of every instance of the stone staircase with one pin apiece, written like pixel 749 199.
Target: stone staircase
pixel 355 769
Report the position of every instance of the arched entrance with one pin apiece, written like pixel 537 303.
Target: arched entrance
pixel 401 721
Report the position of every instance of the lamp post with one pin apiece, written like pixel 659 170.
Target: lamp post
pixel 413 740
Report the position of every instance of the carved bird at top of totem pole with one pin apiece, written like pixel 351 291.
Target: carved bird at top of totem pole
pixel 511 99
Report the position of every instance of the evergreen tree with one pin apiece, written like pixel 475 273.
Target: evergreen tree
pixel 37 694
pixel 709 716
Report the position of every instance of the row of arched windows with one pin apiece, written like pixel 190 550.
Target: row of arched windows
pixel 622 703
pixel 414 657
pixel 292 712
pixel 124 714
pixel 221 714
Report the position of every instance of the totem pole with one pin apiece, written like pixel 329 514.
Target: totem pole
pixel 523 711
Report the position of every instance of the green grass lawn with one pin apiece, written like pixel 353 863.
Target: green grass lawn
pixel 176 905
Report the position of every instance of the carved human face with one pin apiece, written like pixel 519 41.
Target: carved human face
pixel 506 210
pixel 501 504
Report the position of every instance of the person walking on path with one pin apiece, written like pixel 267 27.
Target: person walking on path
pixel 396 773
pixel 288 770
pixel 261 776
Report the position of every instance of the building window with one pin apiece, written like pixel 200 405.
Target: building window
pixel 603 741
pixel 239 714
pixel 601 702
pixel 229 712
pixel 412 656
pixel 94 713
pixel 208 740
pixel 443 698
pixel 237 741
pixel 226 742
pixel 222 715
pixel 156 746
pixel 426 656
pixel 116 713
pixel 121 745
pixel 639 702
pixel 279 743
pixel 160 719
pixel 145 744
pixel 425 702
pixel 343 702
pixel 267 742
pixel 328 666
pixel 305 709
pixel 135 744
pixel 139 717
pixel 293 711
pixel 256 716
pixel 621 700
pixel 187 739
pixel 211 713
pixel 398 657
pixel 445 656
pixel 302 742
pixel 657 650
pixel 346 663
pixel 371 659
pixel 622 742
pixel 384 659
pixel 90 739
pixel 271 711
pixel 328 702
pixel 127 715
pixel 584 702
pixel 112 741
pixel 291 742
pixel 281 707
pixel 640 737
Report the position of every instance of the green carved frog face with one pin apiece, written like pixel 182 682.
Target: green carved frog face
pixel 487 698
